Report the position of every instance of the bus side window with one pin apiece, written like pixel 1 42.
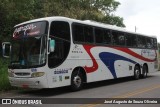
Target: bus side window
pixel 102 36
pixel 78 33
pixel 131 40
pixel 107 37
pixel 118 38
pixel 88 34
pixel 155 44
pixel 149 42
pixel 141 41
pixel 82 33
pixel 99 35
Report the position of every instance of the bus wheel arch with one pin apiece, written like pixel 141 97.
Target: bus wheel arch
pixel 137 71
pixel 78 77
pixel 144 70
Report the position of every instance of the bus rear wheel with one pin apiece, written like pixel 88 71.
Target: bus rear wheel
pixel 136 72
pixel 76 80
pixel 144 71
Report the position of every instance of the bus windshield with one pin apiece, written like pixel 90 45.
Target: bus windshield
pixel 29 46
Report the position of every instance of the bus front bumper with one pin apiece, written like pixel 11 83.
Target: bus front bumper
pixel 29 82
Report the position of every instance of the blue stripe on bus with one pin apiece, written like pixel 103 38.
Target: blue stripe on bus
pixel 109 59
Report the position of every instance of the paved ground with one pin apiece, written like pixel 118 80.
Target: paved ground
pixel 119 88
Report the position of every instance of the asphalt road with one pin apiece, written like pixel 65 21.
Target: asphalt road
pixel 119 88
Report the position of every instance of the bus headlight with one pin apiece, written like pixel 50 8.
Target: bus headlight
pixel 37 74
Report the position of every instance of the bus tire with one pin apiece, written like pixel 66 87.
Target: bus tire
pixel 144 71
pixel 77 80
pixel 137 72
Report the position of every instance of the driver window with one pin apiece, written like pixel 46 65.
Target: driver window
pixel 60 32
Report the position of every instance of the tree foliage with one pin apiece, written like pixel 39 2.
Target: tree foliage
pixel 13 12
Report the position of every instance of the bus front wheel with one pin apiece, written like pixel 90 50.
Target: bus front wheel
pixel 76 80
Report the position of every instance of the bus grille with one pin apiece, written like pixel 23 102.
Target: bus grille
pixel 22 74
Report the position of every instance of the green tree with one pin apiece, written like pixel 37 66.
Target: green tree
pixel 98 10
pixel 113 20
pixel 17 11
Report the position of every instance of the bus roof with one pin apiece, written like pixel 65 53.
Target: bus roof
pixel 88 22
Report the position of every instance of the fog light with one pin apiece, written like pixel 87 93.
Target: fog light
pixel 37 74
pixel 10 74
pixel 11 81
pixel 37 82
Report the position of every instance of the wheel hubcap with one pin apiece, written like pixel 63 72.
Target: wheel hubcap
pixel 77 81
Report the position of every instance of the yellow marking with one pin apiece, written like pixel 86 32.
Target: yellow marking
pixel 95 105
pixel 140 91
pixel 90 105
pixel 137 92
pixel 87 105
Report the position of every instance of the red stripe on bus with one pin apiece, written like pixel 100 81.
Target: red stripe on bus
pixel 126 50
pixel 95 65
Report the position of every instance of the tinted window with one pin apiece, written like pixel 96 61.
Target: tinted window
pixel 102 36
pixel 78 33
pixel 155 43
pixel 107 37
pixel 149 42
pixel 131 40
pixel 60 30
pixel 83 33
pixel 118 38
pixel 99 35
pixel 141 41
pixel 88 34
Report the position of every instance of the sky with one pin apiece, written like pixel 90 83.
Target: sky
pixel 144 14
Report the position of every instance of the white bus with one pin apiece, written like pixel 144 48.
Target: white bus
pixel 58 51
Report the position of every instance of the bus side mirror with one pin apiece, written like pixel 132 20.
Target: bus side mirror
pixel 52 45
pixel 6 49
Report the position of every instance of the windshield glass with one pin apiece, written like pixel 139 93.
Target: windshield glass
pixel 29 45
